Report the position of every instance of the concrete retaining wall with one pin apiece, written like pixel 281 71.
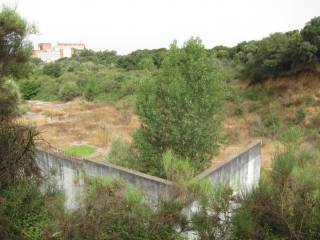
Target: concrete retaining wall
pixel 68 175
pixel 241 172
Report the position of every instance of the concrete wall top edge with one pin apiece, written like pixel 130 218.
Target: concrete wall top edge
pixel 112 166
pixel 130 171
pixel 202 175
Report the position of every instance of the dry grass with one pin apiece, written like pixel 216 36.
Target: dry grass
pixel 80 122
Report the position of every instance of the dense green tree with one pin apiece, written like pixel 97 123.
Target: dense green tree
pixel 14 50
pixel 136 59
pixel 220 52
pixel 146 64
pixel 106 58
pixel 311 33
pixel 29 88
pixel 300 53
pixel 52 69
pixel 14 55
pixel 181 109
pixel 277 54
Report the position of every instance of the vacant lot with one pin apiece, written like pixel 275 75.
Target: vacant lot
pixel 81 123
pixel 85 124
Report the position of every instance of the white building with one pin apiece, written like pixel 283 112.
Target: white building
pixel 49 53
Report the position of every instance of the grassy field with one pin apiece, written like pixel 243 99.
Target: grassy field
pixel 79 151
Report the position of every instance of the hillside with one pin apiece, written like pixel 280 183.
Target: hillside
pixel 264 111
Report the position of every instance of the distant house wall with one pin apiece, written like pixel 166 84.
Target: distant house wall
pixel 241 172
pixel 49 53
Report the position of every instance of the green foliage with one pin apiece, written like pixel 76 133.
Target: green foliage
pixel 213 220
pixel 286 203
pixel 220 52
pixel 49 88
pixel 257 93
pixel 176 169
pixel 113 211
pixel 121 154
pixel 182 109
pixel 271 121
pixel 142 59
pixel 300 115
pixel 147 64
pixel 292 135
pixel 9 98
pixel 106 58
pixel 23 108
pixel 14 55
pixel 29 88
pixel 311 33
pixel 264 62
pixel 69 90
pixel 9 101
pixel 101 84
pixel 52 69
pixel 15 51
pixel 25 212
pixel 278 54
pixel 79 151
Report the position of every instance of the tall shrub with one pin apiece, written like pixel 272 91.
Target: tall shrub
pixel 181 109
pixel 286 203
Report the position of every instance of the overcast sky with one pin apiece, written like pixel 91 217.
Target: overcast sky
pixel 127 25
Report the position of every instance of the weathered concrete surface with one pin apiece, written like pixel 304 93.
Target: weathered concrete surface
pixel 68 175
pixel 241 172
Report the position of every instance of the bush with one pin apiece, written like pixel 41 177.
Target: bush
pixel 91 89
pixel 29 88
pixel 68 91
pixel 271 122
pixel 286 203
pixel 9 99
pixel 300 115
pixel 121 154
pixel 113 211
pixel 25 212
pixel 182 109
pixel 213 220
pixel 279 53
pixel 311 32
pixel 52 69
pixel 49 89
pixel 292 135
pixel 257 93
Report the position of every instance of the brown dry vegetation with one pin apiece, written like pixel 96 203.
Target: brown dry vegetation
pixel 79 122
